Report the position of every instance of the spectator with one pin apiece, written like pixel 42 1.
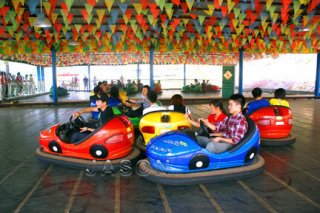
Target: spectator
pixel 85 83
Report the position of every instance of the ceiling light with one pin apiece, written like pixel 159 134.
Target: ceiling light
pixel 73 43
pixel 41 20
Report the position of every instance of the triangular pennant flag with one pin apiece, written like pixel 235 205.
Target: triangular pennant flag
pixel 137 7
pixel 92 2
pixel 272 9
pixel 268 4
pixel 190 4
pixel 210 9
pixel 236 11
pixel 15 4
pixel 114 15
pixel 69 4
pixel 98 23
pixel 224 10
pixel 77 27
pixel 169 10
pixel 54 17
pixel 109 4
pixel 123 7
pixel 47 7
pixel 230 5
pixel 100 14
pixel 88 8
pixel 201 19
pixel 161 4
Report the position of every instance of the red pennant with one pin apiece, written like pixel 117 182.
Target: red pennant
pixel 163 17
pixel 286 4
pixel 216 4
pixel 70 17
pixel 144 4
pixel 284 15
pixel 57 27
pixel 176 2
pixel 184 7
pixel 64 8
pixel 129 14
pixel 212 20
pixel 92 2
pixel 189 27
pixel 25 27
pixel 313 5
pixel 193 16
pixel 224 10
pixel 139 18
pixel 4 11
pixel 154 11
pixel 84 14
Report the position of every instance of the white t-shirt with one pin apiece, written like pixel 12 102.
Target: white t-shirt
pixel 153 107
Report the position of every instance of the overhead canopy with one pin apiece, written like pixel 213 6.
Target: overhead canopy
pixel 180 31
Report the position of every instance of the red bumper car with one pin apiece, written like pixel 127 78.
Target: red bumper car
pixel 275 124
pixel 108 145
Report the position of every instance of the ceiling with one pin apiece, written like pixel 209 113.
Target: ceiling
pixel 179 31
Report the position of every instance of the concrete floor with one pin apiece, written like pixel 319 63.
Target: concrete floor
pixel 290 182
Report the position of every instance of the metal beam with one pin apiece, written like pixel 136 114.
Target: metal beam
pixel 151 67
pixel 54 78
pixel 184 74
pixel 240 71
pixel 89 78
pixel 317 85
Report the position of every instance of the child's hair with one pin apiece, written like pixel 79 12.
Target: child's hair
pixel 256 92
pixel 218 103
pixel 280 93
pixel 238 98
pixel 152 96
pixel 176 100
pixel 114 92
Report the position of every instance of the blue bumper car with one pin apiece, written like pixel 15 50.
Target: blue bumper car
pixel 176 158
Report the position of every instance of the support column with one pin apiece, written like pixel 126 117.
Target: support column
pixel 54 78
pixel 89 78
pixel 241 71
pixel 43 87
pixel 317 85
pixel 138 71
pixel 151 67
pixel 184 74
pixel 39 79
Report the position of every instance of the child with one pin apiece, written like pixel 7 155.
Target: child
pixel 217 114
pixel 230 131
pixel 258 102
pixel 178 105
pixel 279 98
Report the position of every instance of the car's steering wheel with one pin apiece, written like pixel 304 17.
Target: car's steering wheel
pixel 204 130
pixel 77 123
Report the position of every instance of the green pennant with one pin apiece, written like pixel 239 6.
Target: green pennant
pixel 10 30
pixel 161 4
pixel 201 19
pixel 12 15
pixel 190 4
pixel 272 9
pixel 88 8
pixel 69 3
pixel 2 3
pixel 169 10
pixel 236 11
pixel 242 17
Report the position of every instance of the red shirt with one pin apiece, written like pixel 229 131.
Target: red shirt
pixel 213 120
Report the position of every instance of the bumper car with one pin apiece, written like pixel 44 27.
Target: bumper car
pixel 107 145
pixel 122 109
pixel 176 158
pixel 155 123
pixel 275 124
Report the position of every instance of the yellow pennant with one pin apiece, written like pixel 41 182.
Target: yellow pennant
pixel 169 10
pixel 54 17
pixel 185 21
pixel 190 4
pixel 32 20
pixel 15 4
pixel 137 7
pixel 78 27
pixel 210 10
pixel 109 4
pixel 230 5
pixel 268 4
pixel 47 7
pixel 98 23
pixel 100 14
